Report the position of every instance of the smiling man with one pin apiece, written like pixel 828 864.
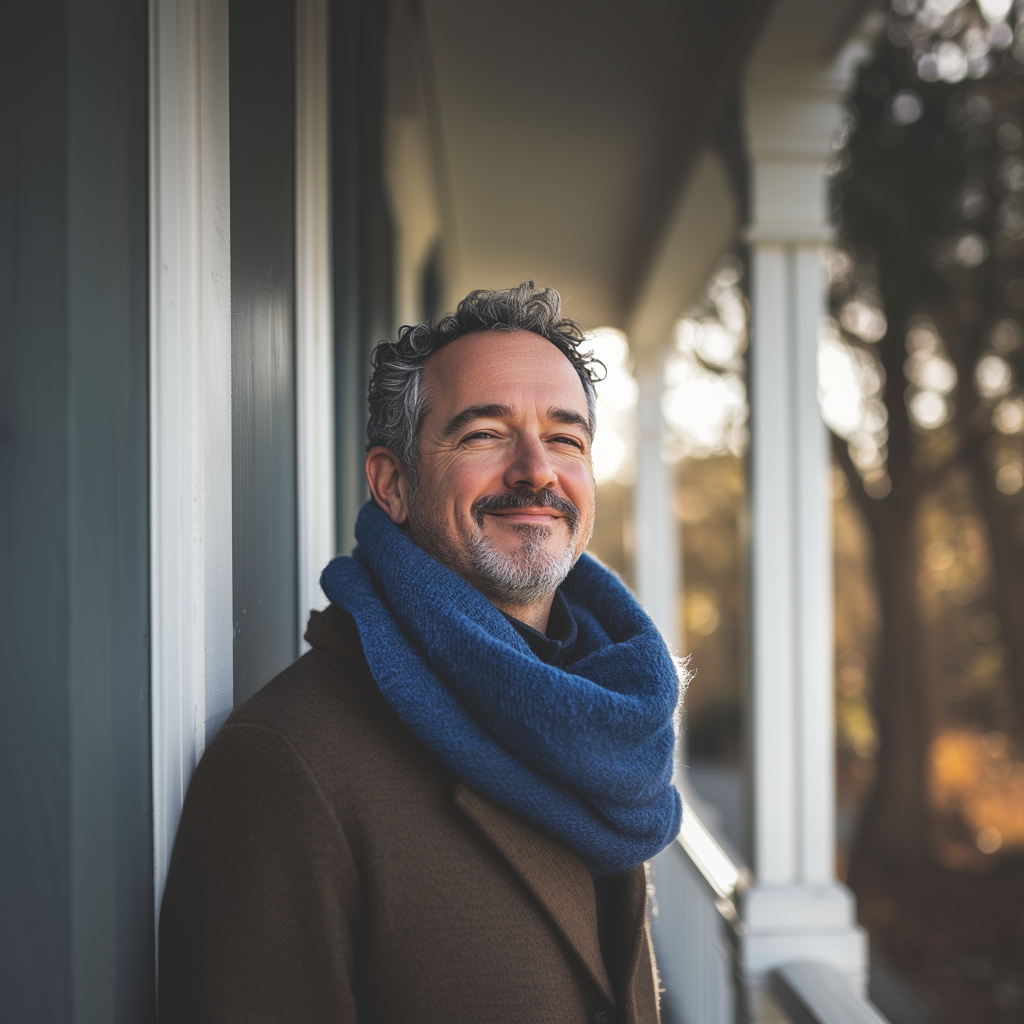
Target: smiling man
pixel 441 812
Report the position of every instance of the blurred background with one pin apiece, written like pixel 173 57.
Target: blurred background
pixel 919 369
pixel 795 230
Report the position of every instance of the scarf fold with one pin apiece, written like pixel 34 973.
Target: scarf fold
pixel 583 751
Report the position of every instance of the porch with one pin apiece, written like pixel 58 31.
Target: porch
pixel 215 210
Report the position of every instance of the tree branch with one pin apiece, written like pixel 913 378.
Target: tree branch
pixel 868 506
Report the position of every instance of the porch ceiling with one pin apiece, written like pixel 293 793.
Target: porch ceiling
pixel 567 130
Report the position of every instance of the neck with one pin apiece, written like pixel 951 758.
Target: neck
pixel 536 615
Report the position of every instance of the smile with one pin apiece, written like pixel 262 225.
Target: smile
pixel 525 515
pixel 523 507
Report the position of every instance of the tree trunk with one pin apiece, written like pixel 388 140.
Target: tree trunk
pixel 1008 569
pixel 895 824
pixel 1007 557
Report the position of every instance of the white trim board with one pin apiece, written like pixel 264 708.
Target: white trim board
pixel 190 399
pixel 314 335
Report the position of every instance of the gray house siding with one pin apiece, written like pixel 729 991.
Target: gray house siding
pixel 75 794
pixel 263 429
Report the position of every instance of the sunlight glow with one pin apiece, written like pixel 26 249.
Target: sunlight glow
pixel 615 442
pixel 1010 478
pixel 714 864
pixel 905 107
pixel 1008 416
pixel 866 321
pixel 947 61
pixel 931 374
pixel 705 402
pixel 951 39
pixel 975 775
pixel 850 382
pixel 993 376
pixel 995 10
pixel 928 409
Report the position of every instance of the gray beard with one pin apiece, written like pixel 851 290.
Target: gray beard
pixel 517 577
pixel 524 575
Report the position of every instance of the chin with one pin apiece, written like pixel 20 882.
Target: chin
pixel 535 532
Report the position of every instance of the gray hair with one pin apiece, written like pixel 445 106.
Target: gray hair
pixel 397 404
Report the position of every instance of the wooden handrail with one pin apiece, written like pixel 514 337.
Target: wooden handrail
pixel 816 993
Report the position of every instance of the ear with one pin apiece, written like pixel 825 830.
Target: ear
pixel 389 483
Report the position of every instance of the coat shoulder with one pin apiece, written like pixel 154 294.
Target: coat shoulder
pixel 327 707
pixel 320 690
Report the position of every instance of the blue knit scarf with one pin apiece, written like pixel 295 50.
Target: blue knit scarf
pixel 584 751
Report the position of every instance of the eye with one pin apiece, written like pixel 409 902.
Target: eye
pixel 574 441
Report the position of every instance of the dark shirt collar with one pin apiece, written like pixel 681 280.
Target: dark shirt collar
pixel 556 647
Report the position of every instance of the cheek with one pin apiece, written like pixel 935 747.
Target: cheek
pixel 580 488
pixel 471 479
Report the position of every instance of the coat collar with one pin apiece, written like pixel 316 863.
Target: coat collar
pixel 554 873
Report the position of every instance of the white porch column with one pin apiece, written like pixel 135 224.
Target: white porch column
pixel 796 909
pixel 658 572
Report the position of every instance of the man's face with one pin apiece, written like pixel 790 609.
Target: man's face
pixel 505 488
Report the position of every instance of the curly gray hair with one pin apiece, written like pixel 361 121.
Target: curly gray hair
pixel 396 400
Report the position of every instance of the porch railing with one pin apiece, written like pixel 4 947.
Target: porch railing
pixel 696 882
pixel 814 993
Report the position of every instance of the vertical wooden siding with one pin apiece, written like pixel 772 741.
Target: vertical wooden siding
pixel 262 63
pixel 76 924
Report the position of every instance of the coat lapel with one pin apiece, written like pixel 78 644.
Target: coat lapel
pixel 631 957
pixel 556 875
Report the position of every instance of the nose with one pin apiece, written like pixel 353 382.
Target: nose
pixel 530 466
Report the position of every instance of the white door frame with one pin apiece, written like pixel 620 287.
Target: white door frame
pixel 190 399
pixel 314 314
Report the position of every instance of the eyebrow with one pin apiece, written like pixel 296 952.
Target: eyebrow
pixel 475 412
pixel 568 417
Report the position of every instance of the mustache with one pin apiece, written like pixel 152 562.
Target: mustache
pixel 524 498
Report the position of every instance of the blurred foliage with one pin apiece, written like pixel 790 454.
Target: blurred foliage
pixel 927 289
pixel 920 368
pixel 710 504
pixel 978 788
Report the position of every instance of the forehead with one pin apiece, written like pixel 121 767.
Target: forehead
pixel 515 368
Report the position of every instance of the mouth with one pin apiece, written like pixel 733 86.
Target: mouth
pixel 527 515
pixel 527 508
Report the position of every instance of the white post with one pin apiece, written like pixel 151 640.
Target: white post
pixel 655 530
pixel 190 399
pixel 796 909
pixel 314 334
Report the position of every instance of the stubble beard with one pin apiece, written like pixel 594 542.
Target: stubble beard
pixel 516 577
pixel 527 572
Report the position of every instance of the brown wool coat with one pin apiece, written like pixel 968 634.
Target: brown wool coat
pixel 327 868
